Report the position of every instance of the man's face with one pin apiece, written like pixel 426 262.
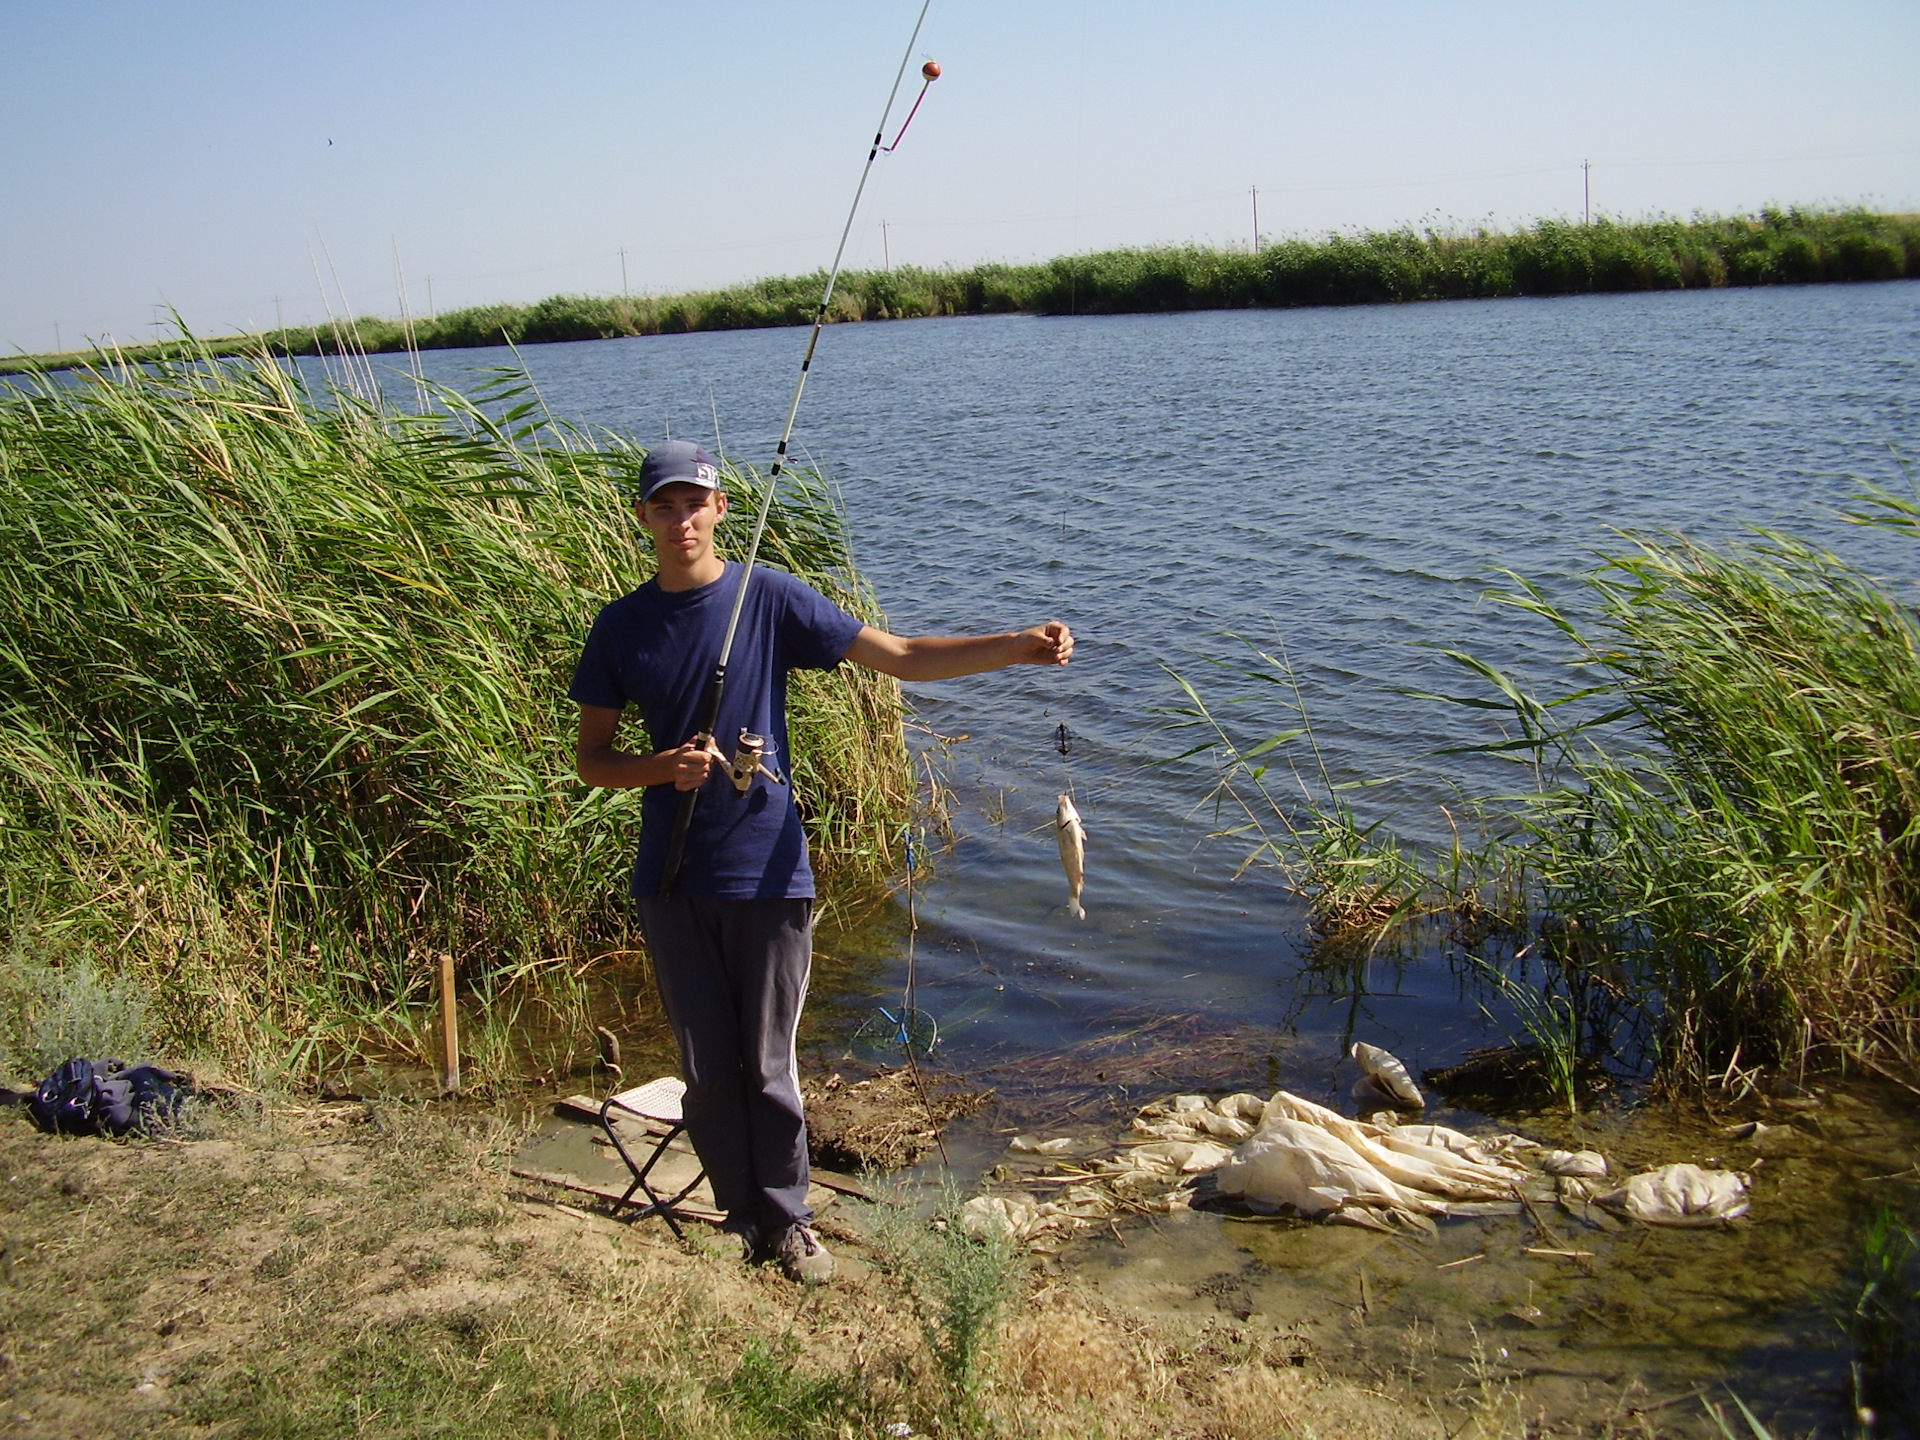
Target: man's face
pixel 680 517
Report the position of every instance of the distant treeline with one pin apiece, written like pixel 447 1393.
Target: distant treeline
pixel 1553 257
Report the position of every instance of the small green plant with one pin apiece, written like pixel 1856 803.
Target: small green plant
pixel 50 1014
pixel 1355 878
pixel 960 1284
pixel 1755 1430
pixel 1551 1020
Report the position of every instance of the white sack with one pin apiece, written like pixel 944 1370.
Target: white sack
pixel 1681 1195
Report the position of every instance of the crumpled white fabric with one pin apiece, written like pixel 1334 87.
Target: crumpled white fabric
pixel 1300 1166
pixel 1434 1170
pixel 1681 1195
pixel 1179 1157
pixel 987 1217
pixel 1586 1164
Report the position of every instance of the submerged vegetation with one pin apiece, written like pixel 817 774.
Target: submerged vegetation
pixel 1552 257
pixel 1880 1313
pixel 285 709
pixel 1719 828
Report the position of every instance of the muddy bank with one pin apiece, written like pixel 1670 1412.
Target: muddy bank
pixel 886 1120
pixel 1558 1300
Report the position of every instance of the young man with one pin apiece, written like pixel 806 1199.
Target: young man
pixel 732 945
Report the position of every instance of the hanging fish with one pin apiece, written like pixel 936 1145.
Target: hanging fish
pixel 1073 853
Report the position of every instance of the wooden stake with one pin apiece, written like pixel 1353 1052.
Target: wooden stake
pixel 449 1025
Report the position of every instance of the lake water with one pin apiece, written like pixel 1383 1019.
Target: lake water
pixel 1338 482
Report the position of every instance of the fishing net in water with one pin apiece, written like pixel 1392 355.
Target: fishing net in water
pixel 904 1034
pixel 891 1036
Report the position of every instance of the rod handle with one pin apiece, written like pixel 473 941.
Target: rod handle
pixel 676 850
pixel 683 818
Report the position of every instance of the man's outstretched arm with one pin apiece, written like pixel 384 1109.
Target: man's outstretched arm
pixel 944 657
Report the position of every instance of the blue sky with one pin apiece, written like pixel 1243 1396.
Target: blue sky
pixel 197 154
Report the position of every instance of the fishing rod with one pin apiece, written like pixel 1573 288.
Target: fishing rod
pixel 710 714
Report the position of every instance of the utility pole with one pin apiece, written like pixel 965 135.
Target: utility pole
pixel 278 323
pixel 1256 219
pixel 432 313
pixel 625 293
pixel 886 250
pixel 1586 182
pixel 56 337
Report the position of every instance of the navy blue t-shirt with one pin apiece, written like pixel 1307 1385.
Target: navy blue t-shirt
pixel 656 649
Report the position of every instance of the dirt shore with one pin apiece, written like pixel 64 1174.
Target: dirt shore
pixel 372 1270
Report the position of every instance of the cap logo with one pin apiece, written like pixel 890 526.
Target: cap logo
pixel 706 475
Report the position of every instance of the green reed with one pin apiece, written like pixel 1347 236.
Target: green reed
pixel 1552 257
pixel 1879 1311
pixel 1290 812
pixel 1722 819
pixel 285 698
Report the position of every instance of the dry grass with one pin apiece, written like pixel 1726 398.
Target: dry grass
pixel 341 1270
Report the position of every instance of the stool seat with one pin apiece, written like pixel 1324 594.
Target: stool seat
pixel 658 1102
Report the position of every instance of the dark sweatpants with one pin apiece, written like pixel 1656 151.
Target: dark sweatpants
pixel 733 976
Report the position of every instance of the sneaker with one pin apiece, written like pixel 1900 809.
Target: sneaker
pixel 803 1259
pixel 752 1244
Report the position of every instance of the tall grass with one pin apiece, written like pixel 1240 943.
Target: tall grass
pixel 1729 828
pixel 1754 837
pixel 1356 878
pixel 284 697
pixel 1552 257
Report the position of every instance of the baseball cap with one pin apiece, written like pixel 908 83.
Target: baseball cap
pixel 678 460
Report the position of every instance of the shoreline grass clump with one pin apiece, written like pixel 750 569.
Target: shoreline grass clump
pixel 1752 840
pixel 961 1285
pixel 1728 832
pixel 285 707
pixel 1550 257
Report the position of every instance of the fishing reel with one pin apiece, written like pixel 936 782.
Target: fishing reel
pixel 749 760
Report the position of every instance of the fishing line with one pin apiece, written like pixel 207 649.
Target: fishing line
pixel 1062 736
pixel 717 687
pixel 910 1010
pixel 912 1031
pixel 931 70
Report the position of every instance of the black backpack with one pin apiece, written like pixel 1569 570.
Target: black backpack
pixel 107 1097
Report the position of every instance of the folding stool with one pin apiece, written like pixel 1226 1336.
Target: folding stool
pixel 659 1103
